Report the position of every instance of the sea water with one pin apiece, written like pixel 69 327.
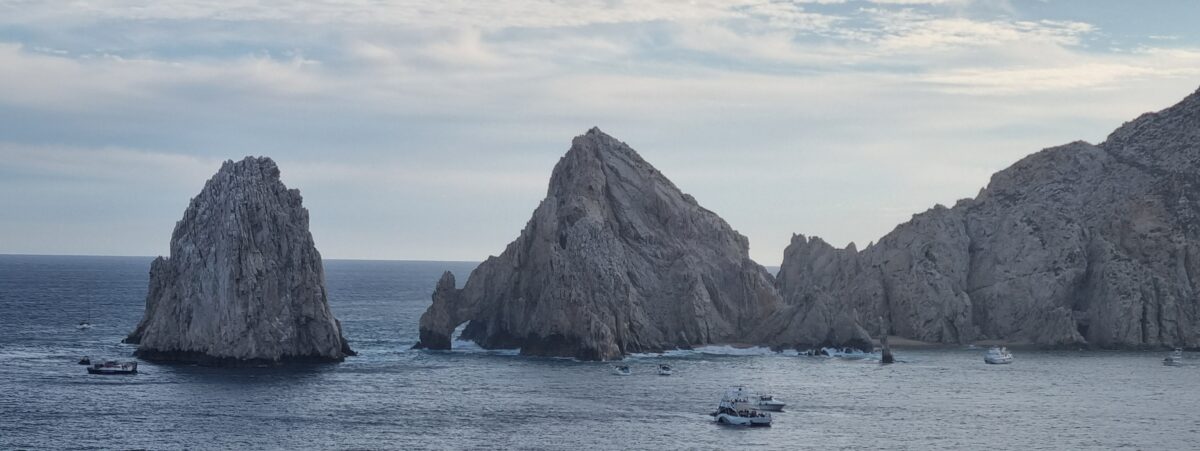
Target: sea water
pixel 391 397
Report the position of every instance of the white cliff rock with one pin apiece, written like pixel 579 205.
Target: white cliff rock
pixel 1074 245
pixel 616 260
pixel 244 282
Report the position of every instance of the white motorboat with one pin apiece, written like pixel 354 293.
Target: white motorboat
pixel 113 367
pixel 84 325
pixel 622 370
pixel 768 403
pixel 735 409
pixel 664 369
pixel 1175 358
pixel 998 356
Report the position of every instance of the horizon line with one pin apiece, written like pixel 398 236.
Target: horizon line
pixel 7 254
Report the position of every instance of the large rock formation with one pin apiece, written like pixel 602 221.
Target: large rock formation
pixel 617 260
pixel 1075 245
pixel 244 283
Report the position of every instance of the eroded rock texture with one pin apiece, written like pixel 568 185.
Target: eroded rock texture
pixel 1075 245
pixel 617 260
pixel 244 282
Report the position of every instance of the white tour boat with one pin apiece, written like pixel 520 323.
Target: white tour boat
pixel 664 369
pixel 622 370
pixel 998 356
pixel 113 367
pixel 1175 358
pixel 768 403
pixel 735 409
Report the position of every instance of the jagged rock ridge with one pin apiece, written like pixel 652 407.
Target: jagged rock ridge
pixel 1077 245
pixel 244 282
pixel 616 260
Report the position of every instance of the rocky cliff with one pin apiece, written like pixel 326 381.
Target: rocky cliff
pixel 616 260
pixel 1075 245
pixel 244 282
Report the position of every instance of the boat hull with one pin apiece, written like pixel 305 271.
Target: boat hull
pixel 770 407
pixel 735 420
pixel 998 360
pixel 110 372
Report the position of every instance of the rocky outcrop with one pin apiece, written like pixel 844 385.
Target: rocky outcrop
pixel 244 283
pixel 616 260
pixel 1075 245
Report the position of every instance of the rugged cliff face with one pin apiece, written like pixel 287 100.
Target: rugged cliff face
pixel 1073 245
pixel 244 282
pixel 615 260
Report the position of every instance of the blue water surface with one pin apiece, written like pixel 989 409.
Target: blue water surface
pixel 391 397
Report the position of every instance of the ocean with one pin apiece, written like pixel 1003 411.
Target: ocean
pixel 391 397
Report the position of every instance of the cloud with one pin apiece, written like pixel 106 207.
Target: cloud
pixel 1087 75
pixel 412 13
pixel 919 2
pixel 455 109
pixel 907 30
pixel 106 164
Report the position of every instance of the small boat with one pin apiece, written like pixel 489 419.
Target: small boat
pixel 664 370
pixel 1175 358
pixel 113 367
pixel 84 325
pixel 735 409
pixel 998 356
pixel 768 403
pixel 85 360
pixel 622 370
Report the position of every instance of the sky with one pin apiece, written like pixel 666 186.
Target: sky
pixel 427 130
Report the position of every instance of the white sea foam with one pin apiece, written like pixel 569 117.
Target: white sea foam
pixel 470 347
pixel 715 350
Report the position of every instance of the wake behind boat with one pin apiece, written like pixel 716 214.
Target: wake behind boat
pixel 113 367
pixel 998 356
pixel 734 409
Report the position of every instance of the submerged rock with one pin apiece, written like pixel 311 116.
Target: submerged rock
pixel 1074 245
pixel 244 283
pixel 615 260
